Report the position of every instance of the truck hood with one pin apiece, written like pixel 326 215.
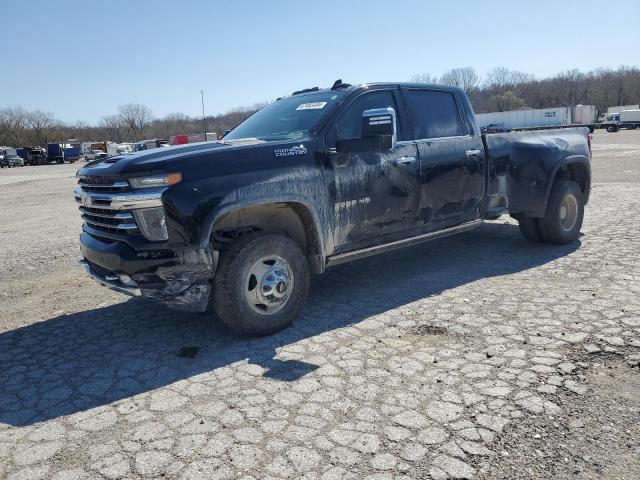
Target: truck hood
pixel 162 158
pixel 205 160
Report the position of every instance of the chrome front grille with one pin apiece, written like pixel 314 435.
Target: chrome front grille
pixel 105 219
pixel 111 205
pixel 95 195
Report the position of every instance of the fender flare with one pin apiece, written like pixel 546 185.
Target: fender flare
pixel 581 159
pixel 216 213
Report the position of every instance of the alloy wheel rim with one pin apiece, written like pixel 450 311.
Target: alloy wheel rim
pixel 268 285
pixel 568 212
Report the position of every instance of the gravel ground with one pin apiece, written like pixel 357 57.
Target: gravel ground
pixel 476 356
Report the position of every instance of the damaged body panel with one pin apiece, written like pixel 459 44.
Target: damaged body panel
pixel 343 172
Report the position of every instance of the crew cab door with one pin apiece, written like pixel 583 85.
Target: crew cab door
pixel 376 192
pixel 452 164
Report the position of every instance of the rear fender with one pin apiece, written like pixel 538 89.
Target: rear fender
pixel 581 162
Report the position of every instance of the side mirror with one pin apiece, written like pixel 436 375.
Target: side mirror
pixel 378 133
pixel 379 122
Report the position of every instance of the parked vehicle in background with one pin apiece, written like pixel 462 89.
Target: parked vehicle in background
pixel 584 114
pixel 313 180
pixel 143 145
pixel 55 153
pixel 9 158
pixel 630 119
pixel 545 117
pixel 124 148
pixel 71 153
pixel 194 138
pixel 33 155
pixel 94 155
pixel 611 122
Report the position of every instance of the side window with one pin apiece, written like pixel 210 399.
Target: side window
pixel 350 123
pixel 434 114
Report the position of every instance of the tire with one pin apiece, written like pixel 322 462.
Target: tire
pixel 565 211
pixel 253 264
pixel 611 129
pixel 529 228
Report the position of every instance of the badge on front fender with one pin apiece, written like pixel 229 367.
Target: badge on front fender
pixel 291 151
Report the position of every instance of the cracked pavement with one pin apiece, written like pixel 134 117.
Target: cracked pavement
pixel 422 363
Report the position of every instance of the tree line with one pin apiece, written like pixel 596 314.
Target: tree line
pixel 131 122
pixel 499 90
pixel 502 89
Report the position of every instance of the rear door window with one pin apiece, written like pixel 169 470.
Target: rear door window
pixel 434 114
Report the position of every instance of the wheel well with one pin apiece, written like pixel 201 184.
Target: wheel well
pixel 289 218
pixel 575 171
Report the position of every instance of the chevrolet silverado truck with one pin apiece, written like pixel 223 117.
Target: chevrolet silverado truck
pixel 313 180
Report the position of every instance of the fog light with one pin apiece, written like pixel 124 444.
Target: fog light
pixel 152 223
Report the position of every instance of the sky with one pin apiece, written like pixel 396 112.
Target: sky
pixel 80 59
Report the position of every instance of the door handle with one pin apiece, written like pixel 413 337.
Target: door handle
pixel 473 153
pixel 405 160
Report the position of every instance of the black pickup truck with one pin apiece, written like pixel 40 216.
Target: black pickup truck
pixel 313 180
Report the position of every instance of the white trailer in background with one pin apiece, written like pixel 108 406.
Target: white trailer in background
pixel 585 114
pixel 544 117
pixel 525 118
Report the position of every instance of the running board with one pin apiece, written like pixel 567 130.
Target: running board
pixel 406 242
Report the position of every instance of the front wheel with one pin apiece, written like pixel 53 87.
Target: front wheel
pixel 261 284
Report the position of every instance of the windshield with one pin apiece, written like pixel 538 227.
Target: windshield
pixel 286 119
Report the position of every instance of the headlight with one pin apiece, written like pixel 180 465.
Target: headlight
pixel 152 223
pixel 156 180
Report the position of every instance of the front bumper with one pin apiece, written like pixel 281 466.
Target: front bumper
pixel 112 281
pixel 178 278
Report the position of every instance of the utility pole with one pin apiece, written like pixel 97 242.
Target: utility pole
pixel 204 121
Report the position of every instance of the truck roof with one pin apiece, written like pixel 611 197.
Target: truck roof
pixel 343 87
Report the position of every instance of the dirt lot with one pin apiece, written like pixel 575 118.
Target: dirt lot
pixel 476 356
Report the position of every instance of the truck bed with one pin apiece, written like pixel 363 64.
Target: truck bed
pixel 522 165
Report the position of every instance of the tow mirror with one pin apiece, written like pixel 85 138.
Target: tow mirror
pixel 379 122
pixel 378 133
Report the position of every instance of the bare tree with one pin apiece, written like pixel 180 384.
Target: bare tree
pixel 171 124
pixel 424 78
pixel 507 101
pixel 13 124
pixel 465 77
pixel 41 124
pixel 114 127
pixel 136 117
pixel 499 80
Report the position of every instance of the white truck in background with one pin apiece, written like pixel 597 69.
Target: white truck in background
pixel 630 119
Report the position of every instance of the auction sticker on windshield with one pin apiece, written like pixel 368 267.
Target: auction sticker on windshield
pixel 311 106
